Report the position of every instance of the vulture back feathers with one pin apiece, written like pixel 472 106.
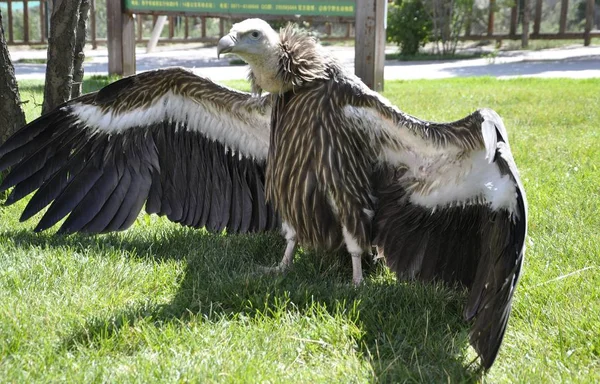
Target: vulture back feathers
pixel 332 162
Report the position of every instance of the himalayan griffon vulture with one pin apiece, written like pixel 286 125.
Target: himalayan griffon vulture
pixel 311 150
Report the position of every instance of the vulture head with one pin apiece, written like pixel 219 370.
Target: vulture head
pixel 278 61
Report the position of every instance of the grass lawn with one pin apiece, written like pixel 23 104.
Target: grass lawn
pixel 160 302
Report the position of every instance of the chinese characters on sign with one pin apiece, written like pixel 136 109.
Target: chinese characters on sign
pixel 272 7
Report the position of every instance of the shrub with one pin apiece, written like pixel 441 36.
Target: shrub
pixel 448 18
pixel 409 25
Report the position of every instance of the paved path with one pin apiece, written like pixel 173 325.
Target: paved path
pixel 573 62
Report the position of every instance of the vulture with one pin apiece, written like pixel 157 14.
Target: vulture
pixel 310 151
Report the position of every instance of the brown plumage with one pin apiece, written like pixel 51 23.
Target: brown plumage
pixel 331 162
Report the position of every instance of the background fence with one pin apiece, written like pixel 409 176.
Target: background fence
pixel 27 22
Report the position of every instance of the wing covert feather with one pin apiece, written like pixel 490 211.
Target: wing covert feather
pixel 451 207
pixel 169 139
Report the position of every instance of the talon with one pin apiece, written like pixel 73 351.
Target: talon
pixel 286 263
pixel 279 268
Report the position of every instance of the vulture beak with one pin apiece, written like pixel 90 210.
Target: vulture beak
pixel 226 44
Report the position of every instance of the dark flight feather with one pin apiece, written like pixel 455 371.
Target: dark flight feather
pixel 99 177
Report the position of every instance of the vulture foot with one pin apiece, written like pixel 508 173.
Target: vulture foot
pixel 279 268
pixel 286 262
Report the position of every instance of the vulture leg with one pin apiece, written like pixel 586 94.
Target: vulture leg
pixel 357 276
pixel 356 252
pixel 290 249
pixel 288 256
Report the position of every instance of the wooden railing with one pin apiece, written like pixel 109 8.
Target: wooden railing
pixel 18 23
pixel 183 35
pixel 22 17
pixel 8 9
pixel 142 33
pixel 587 34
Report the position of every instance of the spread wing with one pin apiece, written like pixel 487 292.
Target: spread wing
pixel 451 207
pixel 182 145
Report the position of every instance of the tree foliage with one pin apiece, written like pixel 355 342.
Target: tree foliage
pixel 413 23
pixel 448 18
pixel 409 25
pixel 580 13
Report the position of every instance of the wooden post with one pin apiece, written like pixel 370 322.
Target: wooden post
pixel 490 26
pixel 469 21
pixel 589 20
pixel 11 38
pixel 128 44
pixel 564 7
pixel 120 40
pixel 114 37
pixel 186 32
pixel 538 17
pixel 42 21
pixel 25 22
pixel 93 23
pixel 513 21
pixel 525 35
pixel 140 27
pixel 171 27
pixel 369 47
pixel 203 33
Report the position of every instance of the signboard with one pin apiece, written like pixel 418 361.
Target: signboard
pixel 246 7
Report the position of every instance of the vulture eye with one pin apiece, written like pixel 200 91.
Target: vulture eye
pixel 254 35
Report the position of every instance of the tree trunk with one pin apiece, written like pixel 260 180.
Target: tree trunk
pixel 11 114
pixel 79 45
pixel 61 48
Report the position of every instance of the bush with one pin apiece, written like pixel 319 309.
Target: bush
pixel 448 18
pixel 409 25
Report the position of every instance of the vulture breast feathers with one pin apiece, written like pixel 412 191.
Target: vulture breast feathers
pixel 321 155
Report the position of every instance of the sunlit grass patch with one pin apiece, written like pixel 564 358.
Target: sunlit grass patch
pixel 161 302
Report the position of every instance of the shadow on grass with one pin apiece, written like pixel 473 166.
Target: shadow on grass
pixel 409 331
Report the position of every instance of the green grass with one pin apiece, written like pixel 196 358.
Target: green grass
pixel 33 60
pixel 427 53
pixel 164 303
pixel 428 56
pixel 536 45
